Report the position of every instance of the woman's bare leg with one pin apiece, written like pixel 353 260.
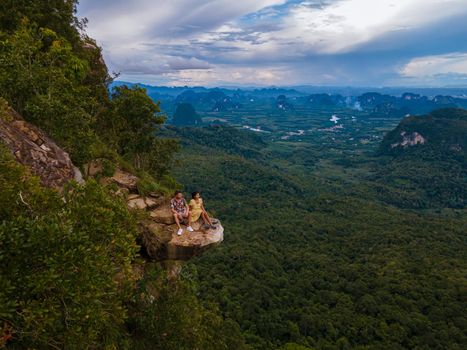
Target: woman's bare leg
pixel 206 218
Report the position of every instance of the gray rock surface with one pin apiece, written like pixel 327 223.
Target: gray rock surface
pixel 31 147
pixel 161 242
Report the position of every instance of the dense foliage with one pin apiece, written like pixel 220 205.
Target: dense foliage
pixel 59 262
pixel 70 273
pixel 174 319
pixel 57 15
pixel 312 261
pixel 432 174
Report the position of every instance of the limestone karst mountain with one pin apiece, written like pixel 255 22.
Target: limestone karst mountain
pixel 185 115
pixel 423 158
pixel 441 133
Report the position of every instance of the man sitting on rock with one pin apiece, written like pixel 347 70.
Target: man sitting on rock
pixel 180 211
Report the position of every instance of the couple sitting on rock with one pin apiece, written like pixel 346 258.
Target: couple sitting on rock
pixel 189 213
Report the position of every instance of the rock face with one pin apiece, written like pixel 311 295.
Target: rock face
pixel 159 234
pixel 158 237
pixel 191 244
pixel 125 180
pixel 409 140
pixel 34 149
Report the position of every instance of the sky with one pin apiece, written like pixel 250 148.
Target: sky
pixel 282 42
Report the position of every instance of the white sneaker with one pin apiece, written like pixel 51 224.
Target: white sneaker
pixel 189 228
pixel 179 232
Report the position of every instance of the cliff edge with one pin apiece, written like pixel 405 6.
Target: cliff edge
pixel 158 238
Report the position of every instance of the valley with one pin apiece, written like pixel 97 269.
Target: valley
pixel 338 213
pixel 330 242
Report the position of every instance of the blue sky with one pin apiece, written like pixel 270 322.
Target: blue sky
pixel 283 42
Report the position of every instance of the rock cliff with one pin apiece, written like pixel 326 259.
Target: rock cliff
pixel 412 139
pixel 53 166
pixel 158 237
pixel 161 242
pixel 33 148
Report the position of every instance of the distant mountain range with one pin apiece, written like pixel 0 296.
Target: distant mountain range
pixel 308 89
pixel 393 103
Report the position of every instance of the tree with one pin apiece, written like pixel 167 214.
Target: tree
pixel 58 15
pixel 132 126
pixel 134 118
pixel 172 318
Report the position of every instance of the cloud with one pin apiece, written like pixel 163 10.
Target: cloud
pixel 453 63
pixel 145 19
pixel 447 69
pixel 282 42
pixel 342 25
pixel 163 64
pixel 265 76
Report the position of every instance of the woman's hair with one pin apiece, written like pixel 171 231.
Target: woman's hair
pixel 193 194
pixel 177 192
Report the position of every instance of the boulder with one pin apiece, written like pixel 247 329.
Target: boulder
pixel 33 148
pixel 152 202
pixel 137 203
pixel 163 214
pixel 126 180
pixel 161 242
pixel 191 244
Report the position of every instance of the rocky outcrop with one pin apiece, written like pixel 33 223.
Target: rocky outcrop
pixel 195 243
pixel 158 233
pixel 53 166
pixel 125 180
pixel 158 236
pixel 409 140
pixel 34 149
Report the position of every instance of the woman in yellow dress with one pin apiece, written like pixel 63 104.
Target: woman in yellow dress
pixel 197 210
